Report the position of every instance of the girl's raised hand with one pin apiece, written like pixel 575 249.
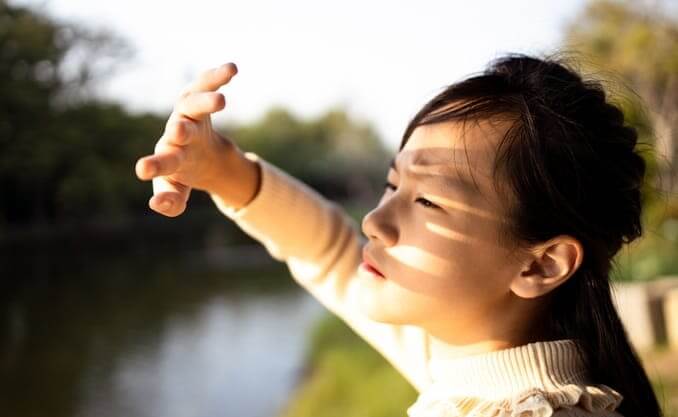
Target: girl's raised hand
pixel 189 154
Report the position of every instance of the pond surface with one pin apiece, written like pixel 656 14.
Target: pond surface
pixel 149 337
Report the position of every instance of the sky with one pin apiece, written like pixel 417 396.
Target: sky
pixel 380 61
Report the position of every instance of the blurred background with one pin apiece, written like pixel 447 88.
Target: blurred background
pixel 108 308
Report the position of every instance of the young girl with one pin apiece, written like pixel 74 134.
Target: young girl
pixel 484 275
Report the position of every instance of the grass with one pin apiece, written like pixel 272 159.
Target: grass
pixel 348 378
pixel 667 395
pixel 661 365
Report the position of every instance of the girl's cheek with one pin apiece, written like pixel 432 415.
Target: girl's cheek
pixel 422 270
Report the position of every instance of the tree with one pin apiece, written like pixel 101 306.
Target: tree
pixel 57 157
pixel 338 156
pixel 640 44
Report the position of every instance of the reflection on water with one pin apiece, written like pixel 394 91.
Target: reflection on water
pixel 151 339
pixel 235 357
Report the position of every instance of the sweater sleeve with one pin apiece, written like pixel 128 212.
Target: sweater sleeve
pixel 322 248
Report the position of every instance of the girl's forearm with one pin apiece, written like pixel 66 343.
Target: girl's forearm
pixel 237 190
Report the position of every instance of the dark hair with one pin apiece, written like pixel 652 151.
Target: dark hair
pixel 570 161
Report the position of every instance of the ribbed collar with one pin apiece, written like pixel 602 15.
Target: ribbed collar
pixel 547 365
pixel 532 380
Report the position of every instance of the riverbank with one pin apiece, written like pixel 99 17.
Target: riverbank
pixel 347 377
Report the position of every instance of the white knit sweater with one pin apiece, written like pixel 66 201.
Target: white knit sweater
pixel 322 248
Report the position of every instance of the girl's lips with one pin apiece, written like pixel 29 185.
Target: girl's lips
pixel 368 269
pixel 372 269
pixel 369 265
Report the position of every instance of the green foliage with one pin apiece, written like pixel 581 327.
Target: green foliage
pixel 340 157
pixel 639 43
pixel 348 378
pixel 96 160
pixel 654 254
pixel 61 161
pixel 634 53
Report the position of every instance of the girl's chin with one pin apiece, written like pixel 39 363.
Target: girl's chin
pixel 382 317
pixel 380 310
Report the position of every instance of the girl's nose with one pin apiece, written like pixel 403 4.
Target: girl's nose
pixel 378 225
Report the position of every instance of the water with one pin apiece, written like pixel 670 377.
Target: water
pixel 148 338
pixel 235 356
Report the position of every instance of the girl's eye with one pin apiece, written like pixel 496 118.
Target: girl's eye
pixel 389 185
pixel 423 201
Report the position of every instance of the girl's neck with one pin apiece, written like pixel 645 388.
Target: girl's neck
pixel 514 325
pixel 441 350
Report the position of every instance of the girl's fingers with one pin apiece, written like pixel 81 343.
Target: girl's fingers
pixel 169 198
pixel 178 132
pixel 198 100
pixel 198 105
pixel 212 79
pixel 165 161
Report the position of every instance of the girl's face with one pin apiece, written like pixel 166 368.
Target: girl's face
pixel 434 237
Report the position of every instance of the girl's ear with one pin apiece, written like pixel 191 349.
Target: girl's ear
pixel 547 266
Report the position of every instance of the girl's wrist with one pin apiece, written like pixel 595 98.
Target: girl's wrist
pixel 238 181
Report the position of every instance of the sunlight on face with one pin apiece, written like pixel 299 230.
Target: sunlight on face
pixel 434 235
pixel 451 234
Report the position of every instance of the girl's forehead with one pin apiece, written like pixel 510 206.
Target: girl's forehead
pixel 468 147
pixel 478 135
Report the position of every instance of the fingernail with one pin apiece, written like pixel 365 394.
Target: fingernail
pixel 235 68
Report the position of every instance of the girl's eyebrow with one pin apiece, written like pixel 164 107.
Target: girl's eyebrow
pixel 443 173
